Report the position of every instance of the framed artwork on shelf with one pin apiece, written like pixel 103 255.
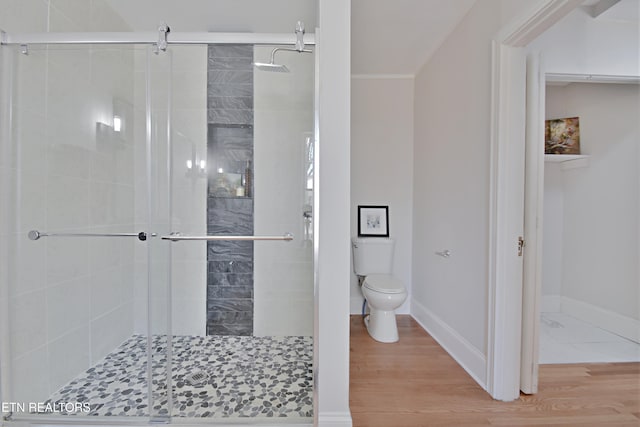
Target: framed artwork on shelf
pixel 562 136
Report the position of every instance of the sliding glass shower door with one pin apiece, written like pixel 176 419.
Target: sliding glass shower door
pixel 134 183
pixel 241 212
pixel 76 235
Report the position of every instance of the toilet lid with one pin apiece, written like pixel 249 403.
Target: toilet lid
pixel 384 283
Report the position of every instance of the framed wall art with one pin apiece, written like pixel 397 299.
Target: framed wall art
pixel 373 221
pixel 562 136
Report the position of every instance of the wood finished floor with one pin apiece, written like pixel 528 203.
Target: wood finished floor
pixel 416 383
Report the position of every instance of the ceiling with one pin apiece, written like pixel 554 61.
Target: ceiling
pixel 388 37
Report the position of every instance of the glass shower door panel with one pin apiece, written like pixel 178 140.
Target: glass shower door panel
pixel 74 284
pixel 158 97
pixel 186 261
pixel 284 124
pixel 241 310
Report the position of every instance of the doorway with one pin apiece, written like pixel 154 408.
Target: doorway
pixel 590 307
pixel 589 296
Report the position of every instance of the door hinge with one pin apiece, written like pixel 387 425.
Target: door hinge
pixel 521 244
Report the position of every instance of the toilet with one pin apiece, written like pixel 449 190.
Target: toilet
pixel 372 263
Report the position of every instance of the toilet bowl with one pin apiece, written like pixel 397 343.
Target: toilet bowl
pixel 373 263
pixel 384 294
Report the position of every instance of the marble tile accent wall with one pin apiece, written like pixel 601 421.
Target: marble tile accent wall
pixel 230 84
pixel 229 201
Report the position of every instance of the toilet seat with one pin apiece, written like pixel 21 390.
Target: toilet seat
pixel 383 283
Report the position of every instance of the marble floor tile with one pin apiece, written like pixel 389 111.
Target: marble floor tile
pixel 565 339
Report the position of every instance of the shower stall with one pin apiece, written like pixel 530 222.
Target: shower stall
pixel 156 230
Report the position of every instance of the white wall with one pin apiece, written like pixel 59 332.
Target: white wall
pixel 382 166
pixel 283 119
pixel 332 245
pixel 552 251
pixel 580 44
pixel 70 299
pixel 600 202
pixel 451 185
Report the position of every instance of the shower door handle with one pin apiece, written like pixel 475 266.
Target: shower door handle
pixel 176 237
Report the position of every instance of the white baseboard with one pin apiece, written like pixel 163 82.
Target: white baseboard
pixel 334 419
pixel 624 326
pixel 469 357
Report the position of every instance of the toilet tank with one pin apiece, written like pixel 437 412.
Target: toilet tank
pixel 373 255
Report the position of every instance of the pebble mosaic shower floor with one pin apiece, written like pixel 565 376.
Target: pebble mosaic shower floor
pixel 212 377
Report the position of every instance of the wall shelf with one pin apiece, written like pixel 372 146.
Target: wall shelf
pixel 568 161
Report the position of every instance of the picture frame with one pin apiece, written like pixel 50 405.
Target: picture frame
pixel 373 221
pixel 562 136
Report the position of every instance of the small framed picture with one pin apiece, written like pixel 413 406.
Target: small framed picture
pixel 562 136
pixel 373 221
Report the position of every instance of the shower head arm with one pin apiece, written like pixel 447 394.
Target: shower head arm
pixel 287 49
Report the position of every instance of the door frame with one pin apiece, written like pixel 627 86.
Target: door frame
pixel 533 223
pixel 508 119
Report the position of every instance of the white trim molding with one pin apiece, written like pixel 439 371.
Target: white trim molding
pixel 382 76
pixel 591 78
pixel 507 117
pixel 506 222
pixel 469 357
pixel 543 15
pixel 334 419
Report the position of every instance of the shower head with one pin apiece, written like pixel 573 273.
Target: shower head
pixel 264 66
pixel 272 66
pixel 278 68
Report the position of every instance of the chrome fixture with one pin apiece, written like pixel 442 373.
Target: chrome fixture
pixel 36 235
pixel 300 36
pixel 177 236
pixel 162 44
pixel 23 40
pixel 444 254
pixel 299 47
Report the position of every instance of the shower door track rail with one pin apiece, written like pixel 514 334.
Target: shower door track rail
pixel 150 37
